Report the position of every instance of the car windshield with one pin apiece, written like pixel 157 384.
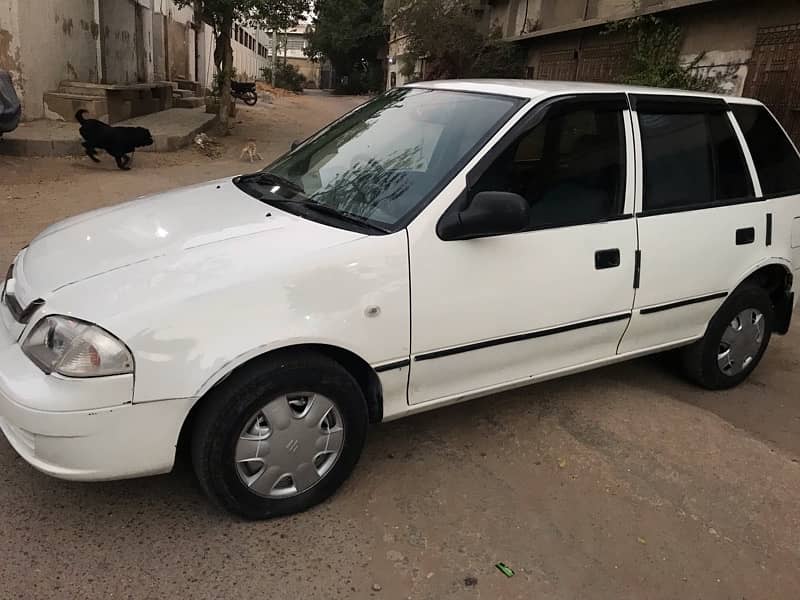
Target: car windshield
pixel 380 164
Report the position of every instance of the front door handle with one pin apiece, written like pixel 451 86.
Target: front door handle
pixel 606 259
pixel 745 236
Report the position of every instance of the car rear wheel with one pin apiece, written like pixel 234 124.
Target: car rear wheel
pixel 280 435
pixel 734 342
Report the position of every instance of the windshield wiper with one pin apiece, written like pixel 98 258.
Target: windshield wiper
pixel 267 178
pixel 329 211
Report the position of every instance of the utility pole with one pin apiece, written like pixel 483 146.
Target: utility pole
pixel 274 54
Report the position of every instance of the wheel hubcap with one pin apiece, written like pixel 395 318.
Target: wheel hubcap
pixel 289 445
pixel 741 342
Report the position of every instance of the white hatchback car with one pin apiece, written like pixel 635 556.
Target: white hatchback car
pixel 441 242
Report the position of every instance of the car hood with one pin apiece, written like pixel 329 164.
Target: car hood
pixel 148 228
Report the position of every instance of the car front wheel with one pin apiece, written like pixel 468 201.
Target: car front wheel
pixel 279 435
pixel 734 342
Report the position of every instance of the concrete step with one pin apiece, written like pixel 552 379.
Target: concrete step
pixel 82 88
pixel 62 106
pixel 192 86
pixel 183 93
pixel 188 102
pixel 172 129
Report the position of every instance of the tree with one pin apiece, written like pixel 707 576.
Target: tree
pixel 452 40
pixel 221 15
pixel 349 33
pixel 655 57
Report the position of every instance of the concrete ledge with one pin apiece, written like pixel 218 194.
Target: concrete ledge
pixel 65 105
pixel 189 102
pixel 171 129
pixel 174 128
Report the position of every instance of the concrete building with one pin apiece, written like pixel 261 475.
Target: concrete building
pixel 755 45
pixel 396 55
pixel 120 58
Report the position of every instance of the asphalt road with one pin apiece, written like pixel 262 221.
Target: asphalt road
pixel 626 482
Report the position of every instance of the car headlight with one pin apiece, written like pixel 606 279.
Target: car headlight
pixel 75 348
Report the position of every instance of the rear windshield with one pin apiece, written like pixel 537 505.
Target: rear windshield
pixel 777 162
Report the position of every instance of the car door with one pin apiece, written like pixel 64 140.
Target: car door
pixel 504 309
pixel 701 224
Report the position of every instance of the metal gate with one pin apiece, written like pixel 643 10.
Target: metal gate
pixel 600 62
pixel 560 65
pixel 603 63
pixel 774 74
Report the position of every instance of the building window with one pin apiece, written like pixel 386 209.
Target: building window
pixel 295 43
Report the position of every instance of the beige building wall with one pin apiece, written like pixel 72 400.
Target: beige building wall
pixel 308 68
pixel 117 26
pixel 724 32
pixel 43 43
pixel 10 50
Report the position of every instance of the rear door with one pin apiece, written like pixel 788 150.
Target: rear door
pixel 701 220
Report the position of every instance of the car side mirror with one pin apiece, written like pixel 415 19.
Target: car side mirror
pixel 489 213
pixel 295 144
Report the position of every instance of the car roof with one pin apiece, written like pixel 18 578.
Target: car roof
pixel 536 88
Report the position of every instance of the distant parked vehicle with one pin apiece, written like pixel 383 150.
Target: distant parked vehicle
pixel 244 91
pixel 442 242
pixel 10 108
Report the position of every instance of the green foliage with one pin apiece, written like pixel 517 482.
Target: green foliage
pixel 449 37
pixel 221 16
pixel 350 34
pixel 287 77
pixel 273 14
pixel 655 58
pixel 363 80
pixel 499 59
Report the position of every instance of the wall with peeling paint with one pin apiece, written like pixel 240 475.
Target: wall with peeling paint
pixel 10 52
pixel 117 25
pixel 57 42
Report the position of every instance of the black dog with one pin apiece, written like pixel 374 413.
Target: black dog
pixel 119 142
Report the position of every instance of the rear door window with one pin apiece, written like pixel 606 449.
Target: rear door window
pixel 777 162
pixel 691 160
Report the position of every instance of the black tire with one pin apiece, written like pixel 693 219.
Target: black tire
pixel 700 359
pixel 227 408
pixel 250 98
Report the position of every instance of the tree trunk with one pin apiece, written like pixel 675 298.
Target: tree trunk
pixel 224 42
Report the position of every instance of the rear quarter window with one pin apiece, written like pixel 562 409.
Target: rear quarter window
pixel 777 162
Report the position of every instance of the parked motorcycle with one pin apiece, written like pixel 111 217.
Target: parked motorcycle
pixel 10 108
pixel 244 91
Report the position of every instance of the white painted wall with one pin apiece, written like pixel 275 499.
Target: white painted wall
pixel 43 43
pixel 10 53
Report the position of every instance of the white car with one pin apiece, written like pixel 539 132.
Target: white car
pixel 441 242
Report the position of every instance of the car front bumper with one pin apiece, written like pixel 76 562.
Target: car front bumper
pixel 84 429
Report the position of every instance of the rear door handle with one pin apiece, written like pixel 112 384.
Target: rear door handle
pixel 606 259
pixel 745 236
